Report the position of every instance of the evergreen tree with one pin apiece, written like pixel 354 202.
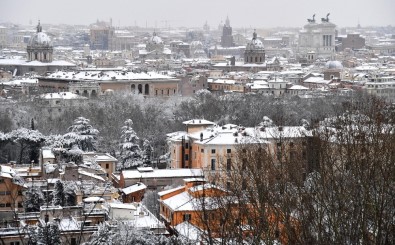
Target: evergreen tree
pixel 34 198
pixel 130 149
pixel 58 194
pixel 26 139
pixel 82 134
pixel 147 151
pixel 69 194
pixel 49 234
pixel 35 147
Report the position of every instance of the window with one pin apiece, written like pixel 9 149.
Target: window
pixel 244 185
pixel 202 150
pixel 186 217
pixel 1 181
pixel 228 151
pixel 107 166
pixel 292 155
pixel 186 157
pixel 212 151
pixel 212 164
pixel 228 164
pixel 186 145
pixel 73 241
pixel 228 185
pixel 14 243
pixel 244 164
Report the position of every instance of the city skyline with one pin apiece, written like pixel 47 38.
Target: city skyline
pixel 177 13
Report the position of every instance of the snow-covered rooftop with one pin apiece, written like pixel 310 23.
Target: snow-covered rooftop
pixel 62 95
pixel 189 231
pixel 90 175
pixel 122 205
pixel 198 122
pixel 170 190
pixel 107 75
pixel 134 188
pixel 47 153
pixel 162 173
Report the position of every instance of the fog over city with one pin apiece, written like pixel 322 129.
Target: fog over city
pixel 175 13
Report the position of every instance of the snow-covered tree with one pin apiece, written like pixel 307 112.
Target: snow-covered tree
pixel 103 236
pixel 26 139
pixel 266 122
pixel 34 198
pixel 58 194
pixel 147 152
pixel 130 150
pixel 82 134
pixel 55 141
pixel 69 193
pixel 48 234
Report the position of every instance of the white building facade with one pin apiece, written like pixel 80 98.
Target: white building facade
pixel 318 38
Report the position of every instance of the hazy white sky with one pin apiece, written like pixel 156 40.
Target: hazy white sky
pixel 242 13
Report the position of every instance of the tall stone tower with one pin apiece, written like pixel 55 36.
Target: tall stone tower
pixel 227 38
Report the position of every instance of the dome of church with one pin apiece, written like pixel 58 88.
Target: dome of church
pixel 255 43
pixel 334 64
pixel 40 38
pixel 156 39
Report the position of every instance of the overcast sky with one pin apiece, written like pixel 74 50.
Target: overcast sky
pixel 243 13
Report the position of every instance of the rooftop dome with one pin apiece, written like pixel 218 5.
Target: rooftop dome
pixel 255 43
pixel 40 38
pixel 334 64
pixel 156 39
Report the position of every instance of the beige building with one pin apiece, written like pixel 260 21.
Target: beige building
pixel 148 84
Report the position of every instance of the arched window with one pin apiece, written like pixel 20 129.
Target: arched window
pixel 146 89
pixel 133 88
pixel 140 88
pixel 77 92
pixel 93 94
pixel 85 93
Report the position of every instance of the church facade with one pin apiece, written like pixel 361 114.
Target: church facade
pixel 40 47
pixel 39 57
pixel 255 51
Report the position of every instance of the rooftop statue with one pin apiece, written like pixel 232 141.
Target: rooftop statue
pixel 312 20
pixel 325 19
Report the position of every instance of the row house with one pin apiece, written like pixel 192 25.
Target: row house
pixel 199 209
pixel 214 148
